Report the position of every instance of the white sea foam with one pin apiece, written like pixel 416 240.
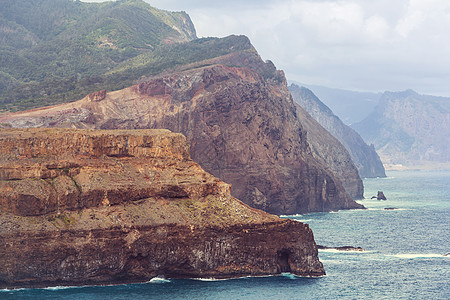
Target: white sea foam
pixel 342 251
pixel 12 290
pixel 57 288
pixel 290 276
pixel 213 279
pixel 290 216
pixel 418 255
pixel 158 279
pixel 333 261
pixel 302 221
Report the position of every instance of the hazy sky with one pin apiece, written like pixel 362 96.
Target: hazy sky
pixel 352 44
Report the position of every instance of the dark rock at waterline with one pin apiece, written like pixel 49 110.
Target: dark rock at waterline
pixel 380 196
pixel 342 248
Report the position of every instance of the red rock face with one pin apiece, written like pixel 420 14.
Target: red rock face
pixel 97 96
pixel 241 124
pixel 92 207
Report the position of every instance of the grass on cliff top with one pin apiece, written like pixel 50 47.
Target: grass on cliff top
pixel 58 51
pixel 210 211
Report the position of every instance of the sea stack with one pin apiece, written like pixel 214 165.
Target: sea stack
pixel 82 207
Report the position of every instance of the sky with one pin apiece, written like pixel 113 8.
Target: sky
pixel 362 45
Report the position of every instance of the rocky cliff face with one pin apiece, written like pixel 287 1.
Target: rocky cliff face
pixel 330 151
pixel 364 156
pixel 90 207
pixel 409 129
pixel 241 123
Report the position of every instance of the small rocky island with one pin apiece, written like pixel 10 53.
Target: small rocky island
pixel 341 248
pixel 80 207
pixel 380 196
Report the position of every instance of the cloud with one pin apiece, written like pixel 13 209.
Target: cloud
pixel 358 44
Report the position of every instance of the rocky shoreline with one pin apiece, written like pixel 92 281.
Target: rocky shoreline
pixel 151 212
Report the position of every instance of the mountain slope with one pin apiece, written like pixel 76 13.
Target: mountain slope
pixel 365 157
pixel 332 154
pixel 409 129
pixel 238 117
pixel 58 50
pixel 349 106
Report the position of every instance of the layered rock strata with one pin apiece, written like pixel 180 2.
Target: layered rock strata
pixel 84 207
pixel 239 119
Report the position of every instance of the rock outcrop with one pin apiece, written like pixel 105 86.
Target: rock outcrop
pixel 364 156
pixel 84 207
pixel 341 248
pixel 239 119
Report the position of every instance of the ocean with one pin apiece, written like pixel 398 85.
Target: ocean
pixel 403 257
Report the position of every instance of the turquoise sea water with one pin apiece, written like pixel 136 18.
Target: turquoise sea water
pixel 403 258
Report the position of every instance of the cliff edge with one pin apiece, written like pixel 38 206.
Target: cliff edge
pixel 82 207
pixel 239 119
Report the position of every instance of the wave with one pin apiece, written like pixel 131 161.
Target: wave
pixel 291 276
pixel 419 255
pixel 344 251
pixel 215 279
pixel 291 216
pixel 12 290
pixel 388 208
pixel 58 288
pixel 158 279
pixel 50 288
pixel 302 221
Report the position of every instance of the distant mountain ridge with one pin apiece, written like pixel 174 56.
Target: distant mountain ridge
pixel 365 157
pixel 350 106
pixel 58 50
pixel 409 129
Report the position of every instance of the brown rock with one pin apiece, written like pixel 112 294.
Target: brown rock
pixel 97 96
pixel 333 154
pixel 94 207
pixel 241 123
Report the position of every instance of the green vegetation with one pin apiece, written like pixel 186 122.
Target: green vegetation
pixel 64 219
pixel 56 51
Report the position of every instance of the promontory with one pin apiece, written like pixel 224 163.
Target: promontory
pixel 82 207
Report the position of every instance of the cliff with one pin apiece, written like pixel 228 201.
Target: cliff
pixel 99 207
pixel 331 153
pixel 364 156
pixel 240 122
pixel 409 130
